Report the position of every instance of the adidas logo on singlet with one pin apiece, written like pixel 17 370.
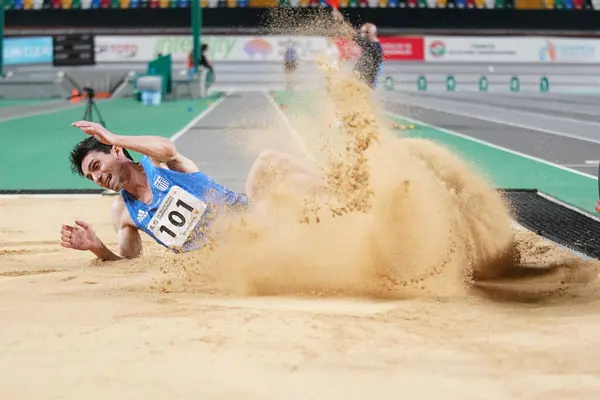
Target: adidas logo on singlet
pixel 142 214
pixel 161 183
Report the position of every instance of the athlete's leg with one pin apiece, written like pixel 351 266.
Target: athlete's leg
pixel 272 164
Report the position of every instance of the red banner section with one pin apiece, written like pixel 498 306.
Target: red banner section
pixel 394 48
pixel 349 51
pixel 403 48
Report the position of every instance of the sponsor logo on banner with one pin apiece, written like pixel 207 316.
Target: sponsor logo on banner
pixel 568 50
pixel 258 48
pixel 123 48
pixel 402 48
pixel 437 48
pixel 481 49
pixel 221 48
pixel 30 50
pixel 118 51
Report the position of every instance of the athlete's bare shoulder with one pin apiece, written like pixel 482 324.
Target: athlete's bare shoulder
pixel 119 215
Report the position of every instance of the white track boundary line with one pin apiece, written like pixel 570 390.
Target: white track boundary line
pixel 570 207
pixel 176 136
pixel 293 132
pixel 494 146
pixel 530 113
pixel 503 122
pixel 522 96
pixel 81 104
pixel 48 196
pixel 203 114
pixel 580 166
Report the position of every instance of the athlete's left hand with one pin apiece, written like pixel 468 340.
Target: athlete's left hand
pixel 96 130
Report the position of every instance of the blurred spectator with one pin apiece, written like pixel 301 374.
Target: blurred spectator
pixel 203 62
pixel 290 62
pixel 207 63
pixel 369 63
pixel 190 65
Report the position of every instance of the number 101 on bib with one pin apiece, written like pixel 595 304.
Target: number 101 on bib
pixel 176 218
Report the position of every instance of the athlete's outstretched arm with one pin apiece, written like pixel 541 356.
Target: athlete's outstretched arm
pixel 161 151
pixel 155 147
pixel 82 237
pixel 106 254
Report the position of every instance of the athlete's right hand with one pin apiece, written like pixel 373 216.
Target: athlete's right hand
pixel 79 237
pixel 95 129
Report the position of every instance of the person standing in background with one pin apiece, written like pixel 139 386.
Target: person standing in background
pixel 190 66
pixel 370 61
pixel 290 62
pixel 207 63
pixel 204 62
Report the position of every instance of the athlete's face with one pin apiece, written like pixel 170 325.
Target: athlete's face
pixel 107 170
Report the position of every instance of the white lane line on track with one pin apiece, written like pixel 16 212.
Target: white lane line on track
pixel 504 122
pixel 579 165
pixel 16 196
pixel 52 110
pixel 570 207
pixel 494 146
pixel 530 113
pixel 293 132
pixel 203 114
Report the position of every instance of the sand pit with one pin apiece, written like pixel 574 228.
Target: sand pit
pixel 73 329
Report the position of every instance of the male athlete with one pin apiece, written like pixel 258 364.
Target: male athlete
pixel 163 195
pixel 369 63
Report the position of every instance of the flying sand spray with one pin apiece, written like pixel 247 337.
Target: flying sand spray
pixel 398 217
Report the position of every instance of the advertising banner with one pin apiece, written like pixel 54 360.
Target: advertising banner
pixel 221 48
pixel 481 49
pixel 512 49
pixel 403 48
pixel 27 50
pixel 395 48
pixel 569 50
pixel 439 49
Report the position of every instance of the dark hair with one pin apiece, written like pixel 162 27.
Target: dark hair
pixel 86 146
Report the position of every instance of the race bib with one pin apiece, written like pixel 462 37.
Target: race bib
pixel 176 218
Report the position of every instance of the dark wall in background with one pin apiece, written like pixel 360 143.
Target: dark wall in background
pixel 464 20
